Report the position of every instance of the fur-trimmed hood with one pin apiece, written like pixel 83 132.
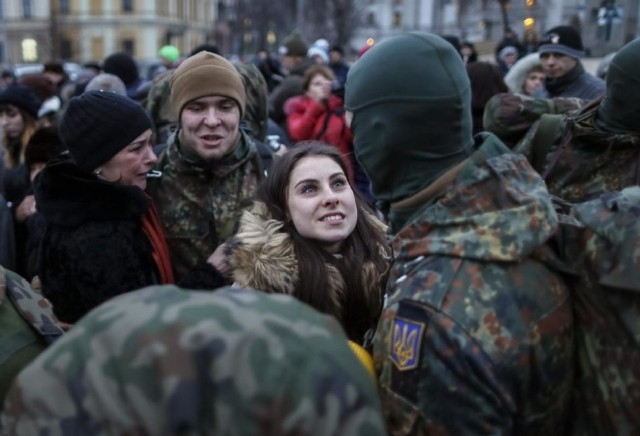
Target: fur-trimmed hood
pixel 517 75
pixel 262 256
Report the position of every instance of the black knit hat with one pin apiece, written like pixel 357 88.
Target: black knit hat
pixel 123 66
pixel 294 45
pixel 564 40
pixel 98 124
pixel 43 145
pixel 23 98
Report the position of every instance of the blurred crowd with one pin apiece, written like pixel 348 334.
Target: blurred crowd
pixel 405 241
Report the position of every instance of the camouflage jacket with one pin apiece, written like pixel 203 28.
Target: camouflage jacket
pixel 477 337
pixel 600 241
pixel 509 116
pixel 159 108
pixel 162 361
pixel 27 326
pixel 199 204
pixel 591 162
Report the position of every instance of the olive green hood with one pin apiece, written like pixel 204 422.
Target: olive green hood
pixel 620 110
pixel 411 103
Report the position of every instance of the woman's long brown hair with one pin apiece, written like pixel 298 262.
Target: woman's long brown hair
pixel 362 306
pixel 30 127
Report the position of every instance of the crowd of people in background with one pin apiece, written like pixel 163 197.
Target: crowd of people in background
pixel 456 241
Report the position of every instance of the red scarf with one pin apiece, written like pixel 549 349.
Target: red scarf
pixel 152 227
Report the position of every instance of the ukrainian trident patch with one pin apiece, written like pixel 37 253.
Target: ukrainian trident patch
pixel 406 339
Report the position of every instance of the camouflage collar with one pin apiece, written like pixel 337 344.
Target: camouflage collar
pixel 185 163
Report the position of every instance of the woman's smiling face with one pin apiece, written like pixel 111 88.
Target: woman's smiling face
pixel 321 203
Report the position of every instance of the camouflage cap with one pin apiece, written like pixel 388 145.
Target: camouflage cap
pixel 165 361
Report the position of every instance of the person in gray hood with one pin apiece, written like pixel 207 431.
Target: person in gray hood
pixel 476 336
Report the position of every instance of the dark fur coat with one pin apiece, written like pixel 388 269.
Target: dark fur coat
pixel 94 246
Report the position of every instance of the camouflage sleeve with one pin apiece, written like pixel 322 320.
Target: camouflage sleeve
pixel 31 305
pixel 500 363
pixel 165 361
pixel 607 306
pixel 25 327
pixel 509 116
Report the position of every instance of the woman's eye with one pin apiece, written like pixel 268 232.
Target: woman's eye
pixel 340 182
pixel 307 189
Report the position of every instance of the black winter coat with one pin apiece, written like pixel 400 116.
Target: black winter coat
pixel 94 246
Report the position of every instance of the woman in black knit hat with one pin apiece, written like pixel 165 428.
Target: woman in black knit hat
pixel 103 235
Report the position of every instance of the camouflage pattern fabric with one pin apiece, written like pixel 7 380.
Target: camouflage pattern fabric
pixel 31 305
pixel 509 116
pixel 478 334
pixel 592 163
pixel 159 108
pixel 200 204
pixel 600 241
pixel 163 361
pixel 27 326
pixel 256 109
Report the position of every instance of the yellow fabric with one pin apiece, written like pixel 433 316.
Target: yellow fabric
pixel 365 358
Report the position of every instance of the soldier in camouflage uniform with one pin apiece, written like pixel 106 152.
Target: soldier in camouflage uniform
pixel 158 107
pixel 600 241
pixel 597 149
pixel 211 168
pixel 477 335
pixel 164 361
pixel 255 118
pixel 27 326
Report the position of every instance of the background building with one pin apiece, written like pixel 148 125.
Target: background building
pixel 89 30
pixel 605 25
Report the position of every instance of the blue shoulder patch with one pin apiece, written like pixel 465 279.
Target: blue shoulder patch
pixel 406 341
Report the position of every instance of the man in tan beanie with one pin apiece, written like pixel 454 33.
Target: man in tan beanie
pixel 211 168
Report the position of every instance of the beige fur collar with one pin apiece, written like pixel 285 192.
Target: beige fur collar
pixel 262 256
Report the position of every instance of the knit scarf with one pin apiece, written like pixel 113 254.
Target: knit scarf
pixel 154 231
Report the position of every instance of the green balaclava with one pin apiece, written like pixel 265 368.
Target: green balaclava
pixel 411 102
pixel 620 110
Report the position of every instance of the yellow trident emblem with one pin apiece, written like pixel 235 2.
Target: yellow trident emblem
pixel 405 343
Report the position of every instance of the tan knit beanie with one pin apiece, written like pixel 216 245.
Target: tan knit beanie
pixel 206 74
